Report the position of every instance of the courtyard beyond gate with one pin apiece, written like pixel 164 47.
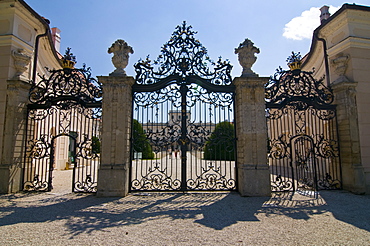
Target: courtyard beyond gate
pixel 183 119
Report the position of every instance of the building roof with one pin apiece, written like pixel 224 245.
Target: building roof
pixel 315 37
pixel 45 22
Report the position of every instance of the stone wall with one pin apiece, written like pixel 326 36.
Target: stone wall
pixel 347 38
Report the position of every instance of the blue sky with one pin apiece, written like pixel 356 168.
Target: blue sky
pixel 89 27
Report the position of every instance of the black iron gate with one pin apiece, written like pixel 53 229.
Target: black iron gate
pixel 302 131
pixel 183 120
pixel 63 128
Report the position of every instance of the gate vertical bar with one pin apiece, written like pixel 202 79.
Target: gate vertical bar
pixel 184 141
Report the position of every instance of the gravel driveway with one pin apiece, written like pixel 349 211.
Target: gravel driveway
pixel 62 218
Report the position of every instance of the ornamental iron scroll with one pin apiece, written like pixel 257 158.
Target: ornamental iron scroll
pixel 302 139
pixel 296 86
pixel 178 101
pixel 183 57
pixel 63 128
pixel 66 86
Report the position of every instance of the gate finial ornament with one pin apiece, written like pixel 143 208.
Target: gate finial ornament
pixel 294 61
pixel 246 51
pixel 121 51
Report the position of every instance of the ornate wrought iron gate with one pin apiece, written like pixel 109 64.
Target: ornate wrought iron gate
pixel 302 135
pixel 183 120
pixel 63 128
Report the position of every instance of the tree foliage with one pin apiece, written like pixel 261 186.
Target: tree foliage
pixel 220 145
pixel 140 141
pixel 95 145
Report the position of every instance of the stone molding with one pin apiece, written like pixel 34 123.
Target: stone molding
pixel 17 86
pixel 251 82
pixel 253 167
pixel 344 85
pixel 124 166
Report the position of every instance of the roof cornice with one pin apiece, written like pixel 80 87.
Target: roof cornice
pixel 315 37
pixel 45 23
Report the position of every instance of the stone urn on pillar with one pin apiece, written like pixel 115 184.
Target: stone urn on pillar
pixel 246 51
pixel 121 51
pixel 21 61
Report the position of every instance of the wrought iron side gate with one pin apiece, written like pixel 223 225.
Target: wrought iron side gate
pixel 63 128
pixel 302 131
pixel 183 120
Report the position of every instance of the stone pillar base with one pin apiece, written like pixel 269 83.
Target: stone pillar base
pixel 10 179
pixel 354 179
pixel 254 181
pixel 4 179
pixel 112 182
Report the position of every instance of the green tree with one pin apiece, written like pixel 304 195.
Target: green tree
pixel 220 145
pixel 140 141
pixel 95 145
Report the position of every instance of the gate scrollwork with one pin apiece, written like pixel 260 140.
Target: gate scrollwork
pixel 303 140
pixel 63 129
pixel 178 99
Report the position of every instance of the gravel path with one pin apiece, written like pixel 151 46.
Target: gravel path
pixel 62 218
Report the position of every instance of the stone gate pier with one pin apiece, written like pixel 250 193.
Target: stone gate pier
pixel 251 133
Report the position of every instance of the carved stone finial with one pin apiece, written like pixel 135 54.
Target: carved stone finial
pixel 121 51
pixel 340 66
pixel 246 51
pixel 21 61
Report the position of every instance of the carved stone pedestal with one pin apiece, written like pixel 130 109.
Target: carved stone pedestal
pixel 113 175
pixel 251 132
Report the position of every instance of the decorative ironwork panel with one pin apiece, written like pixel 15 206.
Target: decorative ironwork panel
pixel 302 136
pixel 183 128
pixel 63 129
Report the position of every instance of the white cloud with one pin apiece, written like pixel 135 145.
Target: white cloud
pixel 302 27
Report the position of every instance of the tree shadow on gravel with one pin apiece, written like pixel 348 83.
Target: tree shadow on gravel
pixel 344 206
pixel 231 209
pixel 349 208
pixel 87 213
pixel 41 207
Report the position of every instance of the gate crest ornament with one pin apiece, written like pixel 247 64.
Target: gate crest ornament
pixel 295 85
pixel 183 56
pixel 66 86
